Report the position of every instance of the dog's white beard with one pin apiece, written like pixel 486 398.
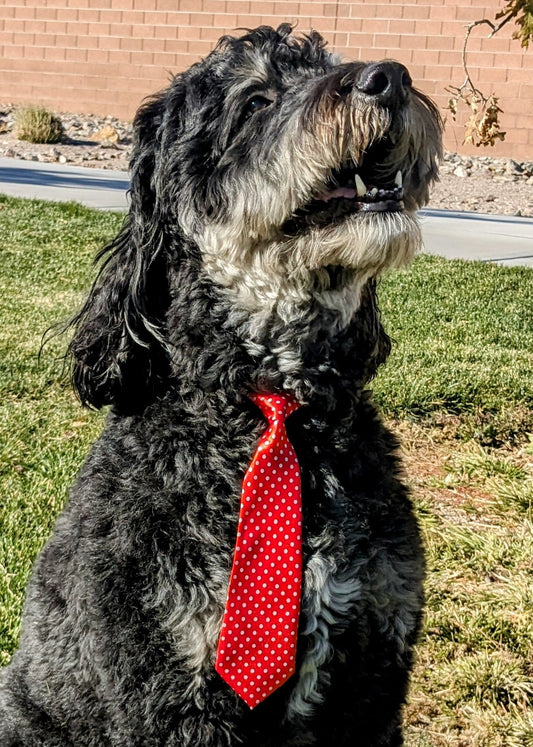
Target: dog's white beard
pixel 286 274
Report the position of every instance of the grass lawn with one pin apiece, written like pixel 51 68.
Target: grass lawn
pixel 458 389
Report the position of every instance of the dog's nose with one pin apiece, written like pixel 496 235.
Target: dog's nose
pixel 387 81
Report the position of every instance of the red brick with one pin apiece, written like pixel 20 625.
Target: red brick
pixel 46 14
pixel 443 12
pixel 14 24
pixel 428 28
pixel 17 92
pixel 25 13
pixel 384 41
pixel 517 76
pixel 415 42
pixel 44 40
pixel 66 14
pixel 11 52
pixel 132 16
pixel 56 27
pixel 387 12
pixel 174 46
pixel 142 31
pixel 34 53
pixel 339 40
pixel 97 30
pixel 200 19
pixel 231 27
pixel 166 60
pixel 107 42
pixel 175 20
pixel 401 26
pixel 210 33
pixel 478 59
pixel 33 26
pixel 120 4
pixel 118 56
pixel 429 57
pixel 449 58
pixel 153 45
pixel 184 6
pixel 154 18
pixel 304 9
pixel 358 10
pixel 496 44
pixel 322 24
pixel 76 55
pixel 225 21
pixel 284 9
pixel 521 136
pixel 142 5
pixel 189 33
pixel 358 41
pixel 455 30
pixel 417 74
pixel 416 11
pixel 467 15
pixel 97 55
pixel 233 6
pixel 110 16
pixel 197 49
pixel 132 45
pixel 23 39
pixel 438 72
pixel 80 29
pixel 213 6
pixel 340 10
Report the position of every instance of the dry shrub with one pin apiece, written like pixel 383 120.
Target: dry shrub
pixel 37 125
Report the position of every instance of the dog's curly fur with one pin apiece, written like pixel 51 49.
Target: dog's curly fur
pixel 247 263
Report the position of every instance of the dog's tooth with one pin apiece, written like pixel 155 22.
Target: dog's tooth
pixel 373 192
pixel 398 180
pixel 360 186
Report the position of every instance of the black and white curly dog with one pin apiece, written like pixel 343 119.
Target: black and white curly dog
pixel 271 183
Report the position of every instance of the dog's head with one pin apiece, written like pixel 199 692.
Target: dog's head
pixel 285 174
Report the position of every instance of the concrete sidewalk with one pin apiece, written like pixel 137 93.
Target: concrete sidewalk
pixel 489 238
pixel 96 188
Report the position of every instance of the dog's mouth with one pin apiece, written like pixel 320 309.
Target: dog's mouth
pixel 348 184
pixel 372 186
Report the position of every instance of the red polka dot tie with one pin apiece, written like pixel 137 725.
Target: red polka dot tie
pixel 257 645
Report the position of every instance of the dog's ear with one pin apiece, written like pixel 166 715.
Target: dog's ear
pixel 117 351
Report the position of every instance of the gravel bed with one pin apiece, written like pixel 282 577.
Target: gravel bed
pixel 481 184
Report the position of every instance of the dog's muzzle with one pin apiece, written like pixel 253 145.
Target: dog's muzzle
pixel 373 100
pixel 380 85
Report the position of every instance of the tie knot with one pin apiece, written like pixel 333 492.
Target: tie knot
pixel 275 406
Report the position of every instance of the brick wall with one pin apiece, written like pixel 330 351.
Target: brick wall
pixel 104 56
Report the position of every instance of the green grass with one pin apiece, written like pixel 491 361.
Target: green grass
pixel 473 683
pixel 465 338
pixel 459 387
pixel 45 267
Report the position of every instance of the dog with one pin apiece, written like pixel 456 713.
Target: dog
pixel 271 184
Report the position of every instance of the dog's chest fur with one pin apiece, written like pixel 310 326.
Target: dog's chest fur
pixel 347 494
pixel 189 526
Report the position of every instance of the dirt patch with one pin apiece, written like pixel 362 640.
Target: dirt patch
pixel 98 142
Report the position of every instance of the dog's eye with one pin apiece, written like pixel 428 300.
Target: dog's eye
pixel 256 104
